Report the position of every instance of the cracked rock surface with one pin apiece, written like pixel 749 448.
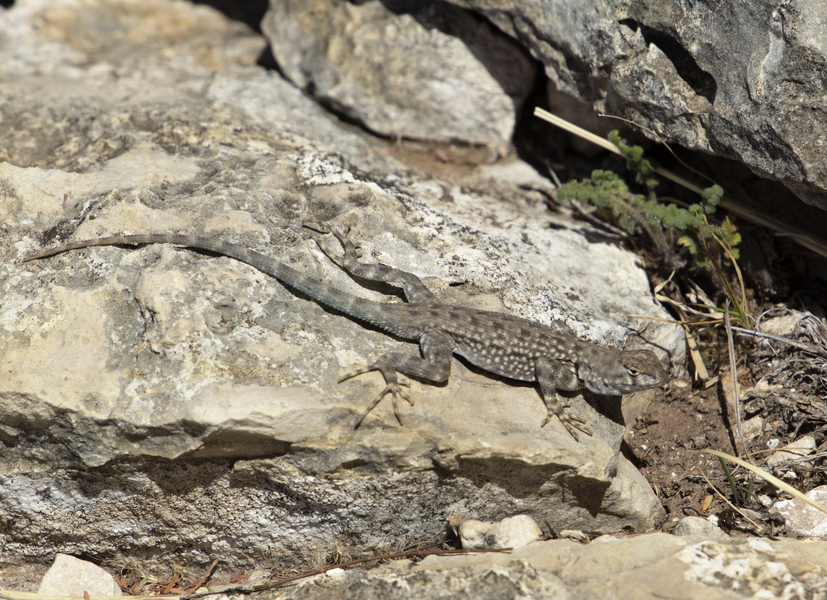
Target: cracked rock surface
pixel 742 81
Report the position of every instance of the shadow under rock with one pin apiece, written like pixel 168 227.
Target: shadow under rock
pixel 249 12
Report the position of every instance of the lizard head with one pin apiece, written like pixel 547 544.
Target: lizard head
pixel 616 373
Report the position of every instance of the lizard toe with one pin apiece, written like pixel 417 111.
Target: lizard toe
pixel 394 391
pixel 570 422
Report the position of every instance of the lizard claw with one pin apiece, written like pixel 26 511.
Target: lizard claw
pixel 570 422
pixel 363 370
pixel 317 227
pixel 394 391
pixel 393 387
pixel 355 372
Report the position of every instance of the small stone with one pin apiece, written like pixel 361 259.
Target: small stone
pixel 801 518
pixel 513 532
pixel 765 500
pixel 204 590
pixel 691 526
pixel 796 449
pixel 70 576
pixel 574 535
pixel 784 326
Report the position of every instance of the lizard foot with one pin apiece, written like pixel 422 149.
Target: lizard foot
pixel 352 249
pixel 393 388
pixel 570 422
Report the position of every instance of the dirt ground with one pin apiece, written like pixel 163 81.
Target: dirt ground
pixel 680 421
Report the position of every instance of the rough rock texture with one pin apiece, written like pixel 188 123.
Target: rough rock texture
pixel 803 519
pixel 741 80
pixel 648 566
pixel 401 75
pixel 164 402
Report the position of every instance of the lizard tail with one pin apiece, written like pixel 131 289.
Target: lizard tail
pixel 320 291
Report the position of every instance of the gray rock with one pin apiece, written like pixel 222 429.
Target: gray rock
pixel 513 532
pixel 803 519
pixel 70 576
pixel 647 566
pixel 792 454
pixel 696 526
pixel 738 80
pixel 402 75
pixel 160 401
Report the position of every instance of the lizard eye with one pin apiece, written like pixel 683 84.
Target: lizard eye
pixel 634 372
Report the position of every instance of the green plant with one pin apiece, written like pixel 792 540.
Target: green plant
pixel 740 496
pixel 633 212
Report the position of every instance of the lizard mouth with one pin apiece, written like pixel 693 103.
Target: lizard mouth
pixel 601 386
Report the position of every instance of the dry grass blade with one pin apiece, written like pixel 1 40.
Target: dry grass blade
pixel 578 131
pixel 736 395
pixel 418 553
pixel 695 351
pixel 714 489
pixel 599 141
pixel 203 579
pixel 728 250
pixel 765 476
pixel 692 343
pixel 812 348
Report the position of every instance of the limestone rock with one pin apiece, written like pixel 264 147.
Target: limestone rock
pixel 513 532
pixel 647 566
pixel 189 403
pixel 801 518
pixel 696 526
pixel 438 73
pixel 70 576
pixel 794 451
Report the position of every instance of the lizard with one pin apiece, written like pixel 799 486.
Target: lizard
pixel 503 344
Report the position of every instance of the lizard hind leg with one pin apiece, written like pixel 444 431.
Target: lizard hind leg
pixel 433 366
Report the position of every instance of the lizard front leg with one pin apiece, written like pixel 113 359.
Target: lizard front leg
pixel 436 347
pixel 553 375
